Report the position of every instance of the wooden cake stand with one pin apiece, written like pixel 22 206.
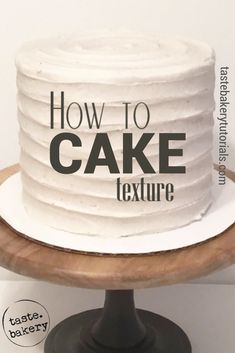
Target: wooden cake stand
pixel 118 327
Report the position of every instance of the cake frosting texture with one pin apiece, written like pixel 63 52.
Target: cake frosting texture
pixel 173 76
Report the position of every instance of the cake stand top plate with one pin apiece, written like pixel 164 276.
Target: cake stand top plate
pixel 35 260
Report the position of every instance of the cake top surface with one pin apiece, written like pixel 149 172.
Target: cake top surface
pixel 114 58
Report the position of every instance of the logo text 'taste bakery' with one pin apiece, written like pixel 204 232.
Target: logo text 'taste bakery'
pixel 135 125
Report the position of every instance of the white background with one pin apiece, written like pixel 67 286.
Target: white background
pixel 208 20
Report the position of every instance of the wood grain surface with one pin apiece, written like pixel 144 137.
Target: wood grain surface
pixel 26 257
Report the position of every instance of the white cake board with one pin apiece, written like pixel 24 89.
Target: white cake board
pixel 217 219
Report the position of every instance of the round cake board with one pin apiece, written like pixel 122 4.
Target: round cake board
pixel 218 218
pixel 30 258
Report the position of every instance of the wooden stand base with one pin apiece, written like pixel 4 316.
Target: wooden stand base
pixel 119 328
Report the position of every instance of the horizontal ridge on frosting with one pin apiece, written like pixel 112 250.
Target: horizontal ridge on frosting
pixel 114 93
pixel 111 226
pixel 191 151
pixel 101 206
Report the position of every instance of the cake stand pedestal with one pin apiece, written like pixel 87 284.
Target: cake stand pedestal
pixel 118 327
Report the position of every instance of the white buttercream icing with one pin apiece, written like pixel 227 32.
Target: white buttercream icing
pixel 114 58
pixel 174 76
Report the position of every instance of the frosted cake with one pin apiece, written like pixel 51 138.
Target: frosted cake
pixel 173 76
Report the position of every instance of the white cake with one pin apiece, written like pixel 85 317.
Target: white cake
pixel 173 76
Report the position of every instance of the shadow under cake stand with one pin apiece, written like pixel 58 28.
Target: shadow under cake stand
pixel 118 327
